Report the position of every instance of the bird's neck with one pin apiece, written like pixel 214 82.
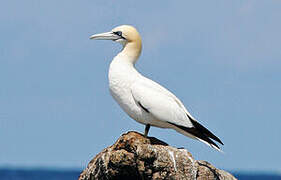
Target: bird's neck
pixel 131 52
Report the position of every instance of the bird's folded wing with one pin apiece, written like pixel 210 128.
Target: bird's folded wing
pixel 159 103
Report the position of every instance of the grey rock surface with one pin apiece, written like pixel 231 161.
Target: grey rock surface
pixel 135 157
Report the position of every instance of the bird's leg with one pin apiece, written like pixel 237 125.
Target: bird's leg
pixel 146 130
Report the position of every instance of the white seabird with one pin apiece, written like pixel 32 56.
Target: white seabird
pixel 144 100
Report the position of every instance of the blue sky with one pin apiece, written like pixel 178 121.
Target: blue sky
pixel 221 58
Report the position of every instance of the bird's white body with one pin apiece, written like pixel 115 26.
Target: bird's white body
pixel 142 99
pixel 121 77
pixel 125 82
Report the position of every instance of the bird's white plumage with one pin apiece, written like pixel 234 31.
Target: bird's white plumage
pixel 143 99
pixel 129 88
pixel 161 104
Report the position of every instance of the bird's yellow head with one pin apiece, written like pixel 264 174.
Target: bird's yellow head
pixel 123 34
pixel 126 35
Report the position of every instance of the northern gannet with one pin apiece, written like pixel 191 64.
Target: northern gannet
pixel 144 100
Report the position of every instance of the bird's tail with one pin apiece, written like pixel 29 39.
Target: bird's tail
pixel 200 133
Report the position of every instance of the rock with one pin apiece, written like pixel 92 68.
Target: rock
pixel 135 157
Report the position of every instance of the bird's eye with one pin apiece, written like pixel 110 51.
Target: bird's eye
pixel 119 33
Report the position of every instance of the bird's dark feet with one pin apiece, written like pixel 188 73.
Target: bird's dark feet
pixel 146 130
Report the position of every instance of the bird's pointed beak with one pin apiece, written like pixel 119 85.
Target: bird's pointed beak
pixel 104 36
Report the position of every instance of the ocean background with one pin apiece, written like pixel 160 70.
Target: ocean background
pixel 48 174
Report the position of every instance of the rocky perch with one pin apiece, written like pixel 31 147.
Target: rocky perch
pixel 135 157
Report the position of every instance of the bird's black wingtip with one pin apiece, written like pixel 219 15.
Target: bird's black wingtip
pixel 205 131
